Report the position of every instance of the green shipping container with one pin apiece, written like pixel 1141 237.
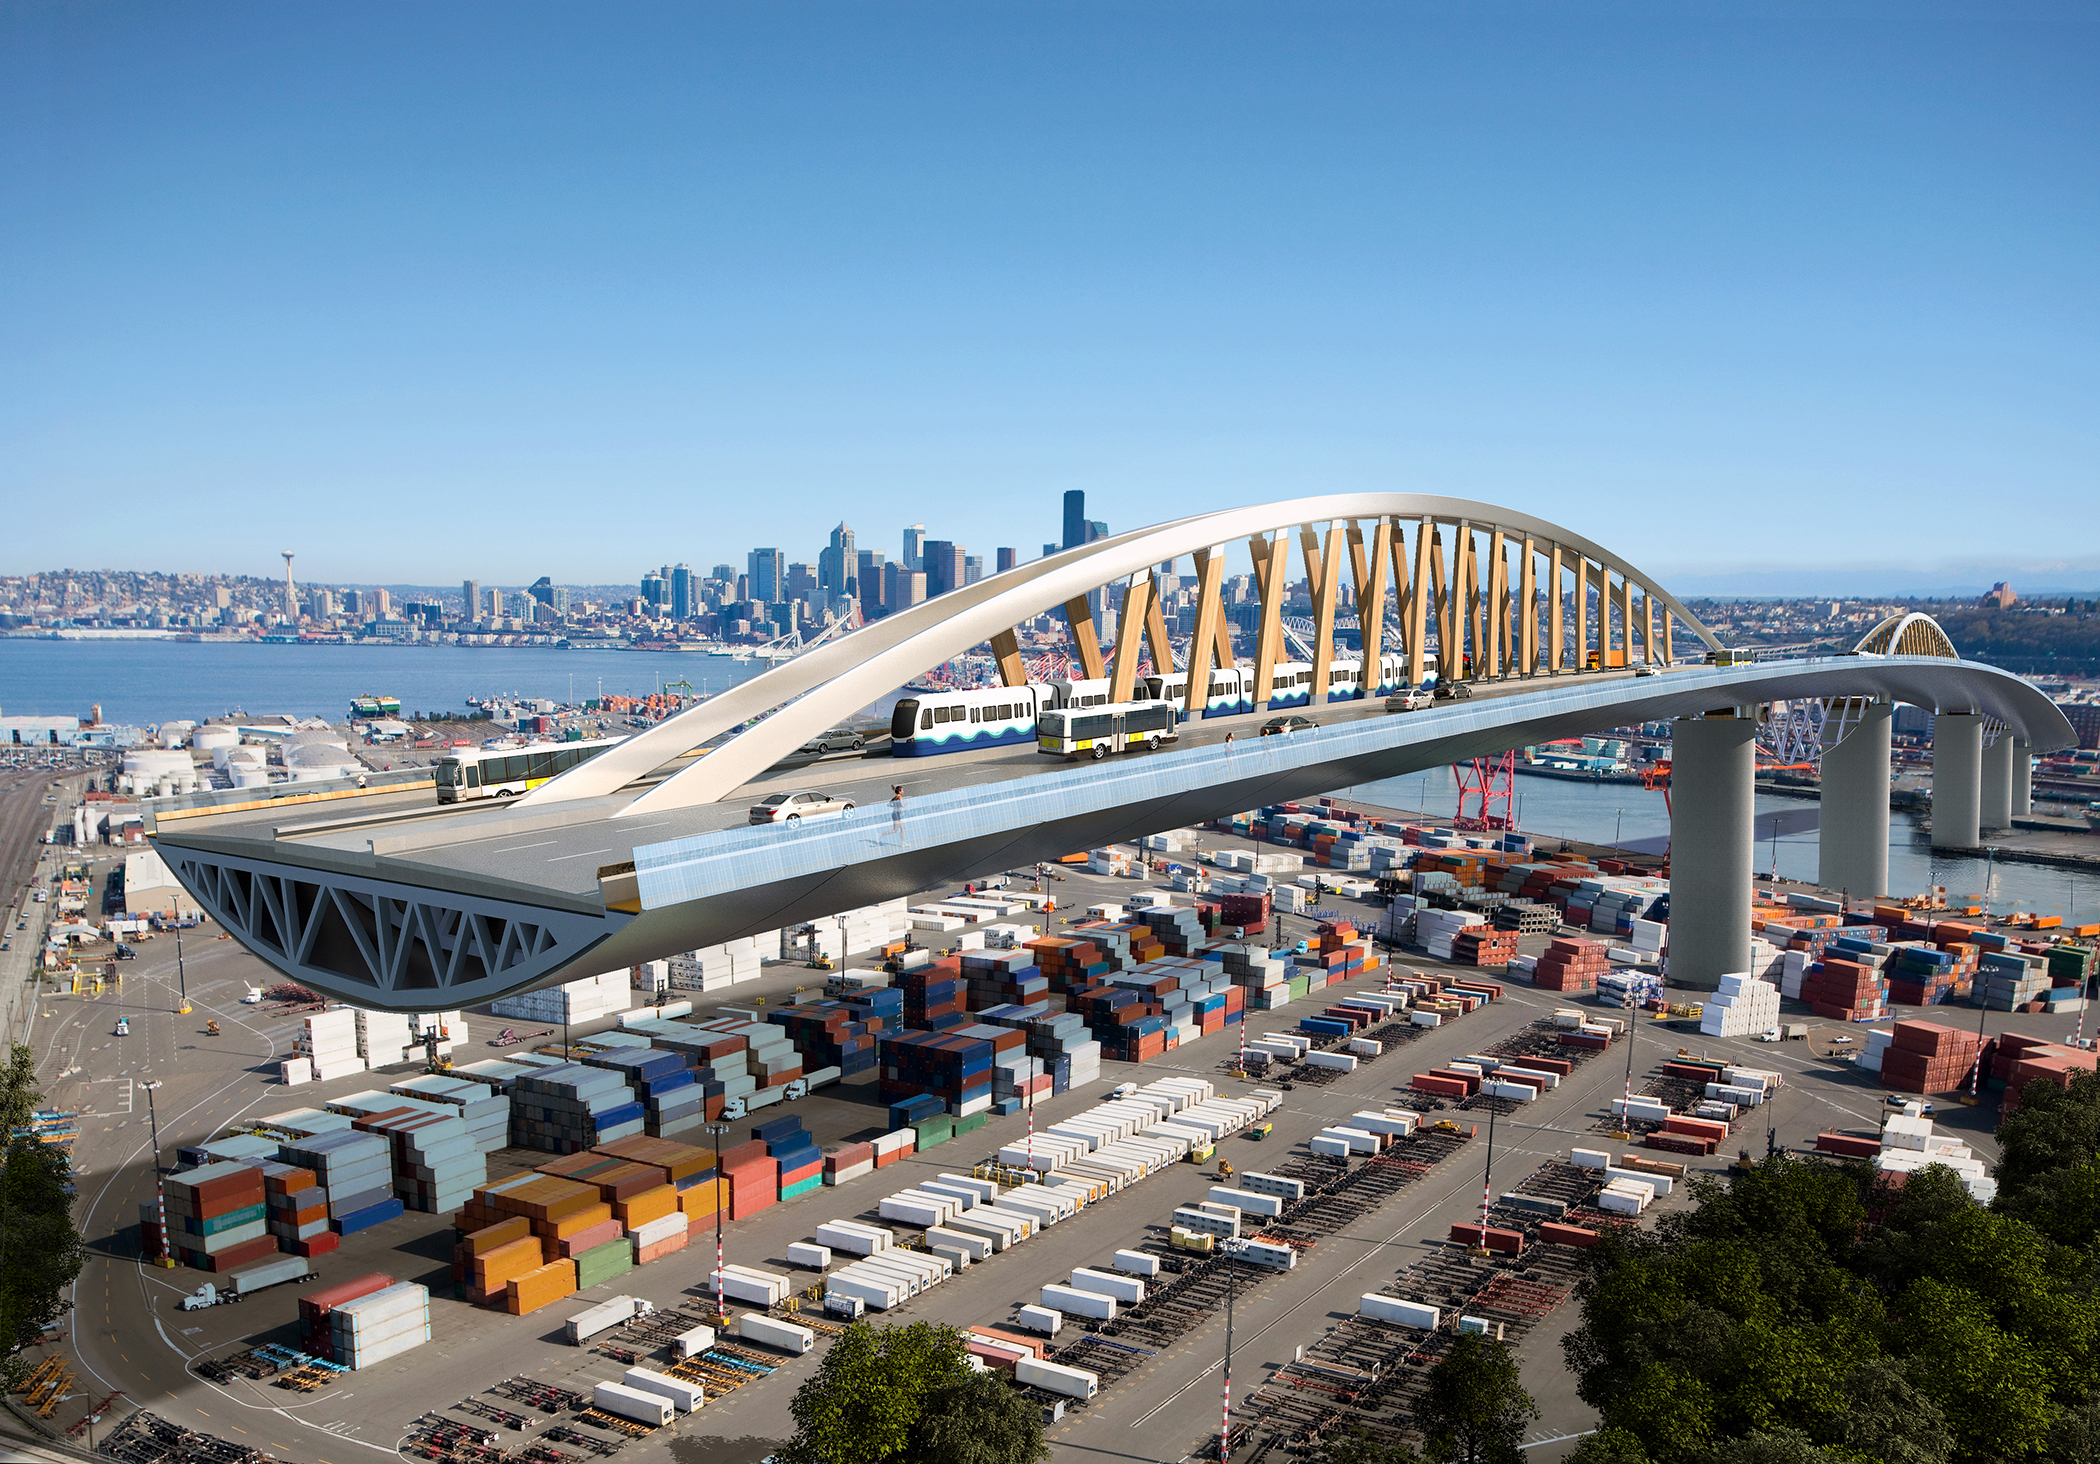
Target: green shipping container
pixel 971 1124
pixel 933 1131
pixel 603 1262
pixel 229 1221
pixel 801 1186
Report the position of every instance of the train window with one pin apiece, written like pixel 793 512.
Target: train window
pixel 973 714
pixel 926 720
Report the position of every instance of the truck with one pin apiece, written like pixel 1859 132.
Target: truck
pixel 243 1284
pixel 1785 1032
pixel 606 1315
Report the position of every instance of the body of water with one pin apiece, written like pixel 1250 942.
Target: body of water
pixel 1611 813
pixel 145 682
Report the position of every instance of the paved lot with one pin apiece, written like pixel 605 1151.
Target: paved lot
pixel 124 1334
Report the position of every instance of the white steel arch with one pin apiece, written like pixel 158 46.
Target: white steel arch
pixel 1910 634
pixel 817 688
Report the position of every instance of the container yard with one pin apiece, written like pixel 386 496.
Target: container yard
pixel 931 1130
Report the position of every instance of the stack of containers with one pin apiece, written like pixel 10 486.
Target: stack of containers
pixel 1569 965
pixel 572 1106
pixel 1742 1007
pixel 330 1041
pixel 1070 963
pixel 934 996
pixel 1924 1057
pixel 789 1145
pixel 841 1034
pixel 1263 974
pixel 953 1068
pixel 484 1109
pixel 1070 1055
pixel 386 1323
pixel 848 1162
pixel 753 1178
pixel 770 1058
pixel 2008 981
pixel 711 968
pixel 673 1102
pixel 357 1171
pixel 1002 978
pixel 382 1037
pixel 218 1217
pixel 1846 991
pixel 485 1261
pixel 1918 975
pixel 437 1164
pixel 298 1210
pixel 315 1335
pixel 574 1002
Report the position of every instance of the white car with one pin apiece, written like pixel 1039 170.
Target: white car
pixel 1417 700
pixel 1771 1036
pixel 798 805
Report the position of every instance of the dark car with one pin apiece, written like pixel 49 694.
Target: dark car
pixel 838 739
pixel 126 953
pixel 1279 726
pixel 1453 691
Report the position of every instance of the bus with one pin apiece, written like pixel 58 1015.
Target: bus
pixel 1097 731
pixel 504 772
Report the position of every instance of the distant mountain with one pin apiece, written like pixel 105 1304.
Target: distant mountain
pixel 1895 581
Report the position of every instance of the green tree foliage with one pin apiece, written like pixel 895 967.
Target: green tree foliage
pixel 1475 1410
pixel 981 1420
pixel 1807 1312
pixel 2053 1129
pixel 867 1394
pixel 908 1393
pixel 40 1251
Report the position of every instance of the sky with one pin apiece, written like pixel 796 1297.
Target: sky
pixel 1799 295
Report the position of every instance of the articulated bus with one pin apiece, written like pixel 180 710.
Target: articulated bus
pixel 504 772
pixel 1097 731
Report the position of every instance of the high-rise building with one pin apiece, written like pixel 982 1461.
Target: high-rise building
pixel 838 565
pixel 723 572
pixel 656 592
pixel 1095 529
pixel 944 567
pixel 973 568
pixel 1008 558
pixel 802 584
pixel 685 593
pixel 902 588
pixel 868 577
pixel 470 592
pixel 915 547
pixel 382 603
pixel 1050 549
pixel 768 575
pixel 1075 517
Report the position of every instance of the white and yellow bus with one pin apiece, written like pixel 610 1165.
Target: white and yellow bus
pixel 504 772
pixel 1095 732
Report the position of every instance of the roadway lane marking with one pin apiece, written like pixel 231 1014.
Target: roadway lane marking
pixel 516 847
pixel 557 858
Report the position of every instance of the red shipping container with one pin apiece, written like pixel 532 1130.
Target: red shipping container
pixel 1555 1233
pixel 315 1245
pixel 1503 1242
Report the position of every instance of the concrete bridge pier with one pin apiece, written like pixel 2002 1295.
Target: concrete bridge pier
pixel 1852 842
pixel 1957 780
pixel 1713 782
pixel 2023 778
pixel 1995 791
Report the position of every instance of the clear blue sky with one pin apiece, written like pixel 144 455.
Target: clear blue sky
pixel 428 291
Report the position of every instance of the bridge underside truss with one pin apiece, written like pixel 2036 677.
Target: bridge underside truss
pixel 394 945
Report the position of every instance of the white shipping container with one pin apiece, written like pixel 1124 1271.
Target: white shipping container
pixel 606 1315
pixel 633 1404
pixel 692 1342
pixel 1074 1302
pixel 1044 1319
pixel 1254 1202
pixel 1393 1309
pixel 855 1238
pixel 787 1336
pixel 1135 1263
pixel 684 1396
pixel 1051 1377
pixel 1127 1289
pixel 812 1257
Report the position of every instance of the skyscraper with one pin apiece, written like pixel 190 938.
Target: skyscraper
pixel 944 567
pixel 915 547
pixel 470 591
pixel 768 575
pixel 868 577
pixel 973 569
pixel 1008 558
pixel 838 566
pixel 901 588
pixel 1075 517
pixel 685 593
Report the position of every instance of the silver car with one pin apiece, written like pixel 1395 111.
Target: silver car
pixel 797 805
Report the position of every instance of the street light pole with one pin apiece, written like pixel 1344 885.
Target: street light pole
pixel 160 1186
pixel 716 1131
pixel 181 972
pixel 1230 1250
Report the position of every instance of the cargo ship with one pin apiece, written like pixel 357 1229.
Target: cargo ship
pixel 366 708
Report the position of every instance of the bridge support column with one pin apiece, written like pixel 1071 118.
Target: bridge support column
pixel 2023 778
pixel 1713 782
pixel 1994 797
pixel 1852 843
pixel 1957 779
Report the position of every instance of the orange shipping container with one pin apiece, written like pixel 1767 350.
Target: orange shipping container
pixel 573 1223
pixel 535 1289
pixel 702 1200
pixel 512 1259
pixel 488 1237
pixel 649 1205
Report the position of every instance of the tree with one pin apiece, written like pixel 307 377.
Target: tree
pixel 1609 1446
pixel 2053 1128
pixel 981 1420
pixel 1475 1410
pixel 1781 1446
pixel 40 1251
pixel 868 1393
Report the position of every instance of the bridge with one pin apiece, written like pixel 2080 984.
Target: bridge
pixel 644 851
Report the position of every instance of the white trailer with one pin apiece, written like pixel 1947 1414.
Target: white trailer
pixel 809 1257
pixel 1129 1290
pixel 633 1404
pixel 787 1336
pixel 692 1342
pixel 1073 1302
pixel 1382 1308
pixel 603 1317
pixel 1051 1377
pixel 684 1396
